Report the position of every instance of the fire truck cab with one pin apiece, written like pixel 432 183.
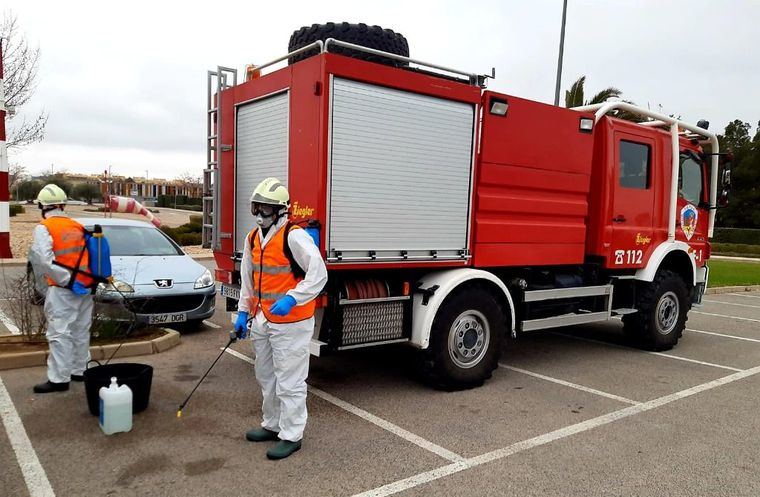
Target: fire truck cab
pixel 451 217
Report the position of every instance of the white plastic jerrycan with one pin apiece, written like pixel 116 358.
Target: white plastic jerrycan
pixel 115 408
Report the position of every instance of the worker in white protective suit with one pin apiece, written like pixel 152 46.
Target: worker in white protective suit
pixel 57 248
pixel 282 272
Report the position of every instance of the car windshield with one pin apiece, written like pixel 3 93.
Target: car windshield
pixel 138 240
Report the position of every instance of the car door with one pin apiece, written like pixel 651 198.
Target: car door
pixel 633 196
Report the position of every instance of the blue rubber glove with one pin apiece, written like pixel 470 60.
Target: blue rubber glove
pixel 79 289
pixel 241 325
pixel 283 306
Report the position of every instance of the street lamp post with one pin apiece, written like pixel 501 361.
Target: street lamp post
pixel 561 52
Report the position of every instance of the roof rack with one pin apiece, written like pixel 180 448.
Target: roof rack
pixel 674 125
pixel 324 47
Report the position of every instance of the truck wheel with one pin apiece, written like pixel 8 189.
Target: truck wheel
pixel 466 340
pixel 358 34
pixel 663 305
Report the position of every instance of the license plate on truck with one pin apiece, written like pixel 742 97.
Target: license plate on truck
pixel 231 292
pixel 169 318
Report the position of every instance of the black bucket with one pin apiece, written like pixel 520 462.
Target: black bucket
pixel 138 377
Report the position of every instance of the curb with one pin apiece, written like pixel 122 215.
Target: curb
pixel 97 352
pixel 732 289
pixel 202 257
pixel 735 258
pixel 13 262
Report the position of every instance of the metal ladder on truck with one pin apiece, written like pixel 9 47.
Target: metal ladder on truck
pixel 215 80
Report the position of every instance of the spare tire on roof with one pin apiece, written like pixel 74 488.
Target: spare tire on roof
pixel 375 37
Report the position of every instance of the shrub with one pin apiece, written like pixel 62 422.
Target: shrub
pixel 196 219
pixel 738 249
pixel 189 239
pixel 16 209
pixel 737 235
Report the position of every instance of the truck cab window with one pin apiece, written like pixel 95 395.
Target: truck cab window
pixel 634 165
pixel 690 180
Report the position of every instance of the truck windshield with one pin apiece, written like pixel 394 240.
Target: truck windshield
pixel 690 179
pixel 137 240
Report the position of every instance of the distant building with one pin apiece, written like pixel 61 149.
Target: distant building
pixel 141 189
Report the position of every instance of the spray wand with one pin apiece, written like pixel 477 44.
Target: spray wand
pixel 233 338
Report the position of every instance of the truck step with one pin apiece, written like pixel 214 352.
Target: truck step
pixel 623 311
pixel 565 293
pixel 564 320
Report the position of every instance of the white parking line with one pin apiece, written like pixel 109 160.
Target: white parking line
pixel 703 363
pixel 669 356
pixel 34 475
pixel 743 295
pixel 435 474
pixel 725 316
pixel 375 420
pixel 571 385
pixel 724 336
pixel 9 324
pixel 731 303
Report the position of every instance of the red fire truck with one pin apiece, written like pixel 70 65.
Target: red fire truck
pixel 451 217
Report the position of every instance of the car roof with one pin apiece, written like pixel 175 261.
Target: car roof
pixel 109 221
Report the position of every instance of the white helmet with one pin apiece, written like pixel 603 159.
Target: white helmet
pixel 271 191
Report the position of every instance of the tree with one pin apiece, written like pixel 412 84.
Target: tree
pixel 16 174
pixel 20 63
pixel 28 190
pixel 575 97
pixel 743 211
pixel 87 192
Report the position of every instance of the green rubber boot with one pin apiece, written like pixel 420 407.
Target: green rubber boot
pixel 261 435
pixel 283 449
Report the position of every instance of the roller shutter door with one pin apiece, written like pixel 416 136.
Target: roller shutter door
pixel 262 151
pixel 400 173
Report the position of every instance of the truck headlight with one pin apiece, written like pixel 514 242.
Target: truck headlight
pixel 205 281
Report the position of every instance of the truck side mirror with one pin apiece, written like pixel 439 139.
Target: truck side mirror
pixel 725 179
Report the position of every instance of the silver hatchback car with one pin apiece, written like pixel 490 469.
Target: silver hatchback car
pixel 160 283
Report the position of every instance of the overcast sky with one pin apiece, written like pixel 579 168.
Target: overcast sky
pixel 124 82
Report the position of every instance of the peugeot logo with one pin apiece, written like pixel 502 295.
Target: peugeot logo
pixel 163 283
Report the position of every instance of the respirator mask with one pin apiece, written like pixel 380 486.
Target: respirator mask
pixel 265 214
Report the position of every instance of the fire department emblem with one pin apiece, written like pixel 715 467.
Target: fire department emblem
pixel 689 220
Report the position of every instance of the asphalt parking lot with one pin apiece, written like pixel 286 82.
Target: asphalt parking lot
pixel 571 412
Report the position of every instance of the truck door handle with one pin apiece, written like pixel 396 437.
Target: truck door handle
pixel 618 219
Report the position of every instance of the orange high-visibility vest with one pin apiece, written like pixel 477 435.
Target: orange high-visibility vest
pixel 273 277
pixel 68 246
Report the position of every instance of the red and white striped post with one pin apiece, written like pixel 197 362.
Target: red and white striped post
pixel 5 220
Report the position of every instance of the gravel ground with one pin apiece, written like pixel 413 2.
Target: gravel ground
pixel 22 225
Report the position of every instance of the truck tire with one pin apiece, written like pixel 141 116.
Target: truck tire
pixel 359 34
pixel 663 307
pixel 465 340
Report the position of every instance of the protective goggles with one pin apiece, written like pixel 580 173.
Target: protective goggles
pixel 265 210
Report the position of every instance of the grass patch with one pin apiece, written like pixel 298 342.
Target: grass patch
pixel 733 273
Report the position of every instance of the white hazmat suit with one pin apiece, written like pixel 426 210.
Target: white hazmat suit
pixel 68 315
pixel 282 350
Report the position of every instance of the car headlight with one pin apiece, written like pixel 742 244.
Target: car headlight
pixel 205 281
pixel 115 286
